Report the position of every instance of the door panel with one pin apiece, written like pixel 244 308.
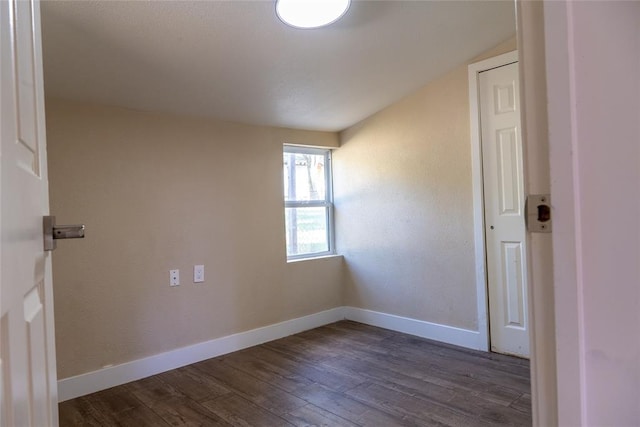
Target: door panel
pixel 513 278
pixel 27 353
pixel 508 172
pixel 504 210
pixel 36 357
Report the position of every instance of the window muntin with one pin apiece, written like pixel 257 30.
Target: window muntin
pixel 308 201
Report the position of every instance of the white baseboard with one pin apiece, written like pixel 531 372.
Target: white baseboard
pixel 90 382
pixel 433 331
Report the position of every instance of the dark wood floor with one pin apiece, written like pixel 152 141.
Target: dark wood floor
pixel 344 374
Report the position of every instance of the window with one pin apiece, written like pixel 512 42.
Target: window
pixel 308 201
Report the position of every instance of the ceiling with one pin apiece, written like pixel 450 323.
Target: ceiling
pixel 234 60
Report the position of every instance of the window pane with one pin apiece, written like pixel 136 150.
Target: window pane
pixel 306 230
pixel 304 177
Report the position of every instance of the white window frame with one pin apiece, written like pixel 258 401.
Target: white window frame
pixel 326 203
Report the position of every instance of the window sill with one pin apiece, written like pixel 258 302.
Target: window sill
pixel 311 258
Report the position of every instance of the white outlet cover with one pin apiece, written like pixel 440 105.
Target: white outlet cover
pixel 198 273
pixel 174 277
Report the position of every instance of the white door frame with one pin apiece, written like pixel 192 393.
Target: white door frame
pixel 478 193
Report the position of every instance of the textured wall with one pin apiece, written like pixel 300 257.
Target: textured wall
pixel 403 198
pixel 158 192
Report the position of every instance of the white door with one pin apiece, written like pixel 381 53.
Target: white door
pixel 27 347
pixel 504 210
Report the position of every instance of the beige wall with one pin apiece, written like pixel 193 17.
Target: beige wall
pixel 403 195
pixel 158 192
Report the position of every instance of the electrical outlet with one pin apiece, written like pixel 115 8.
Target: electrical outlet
pixel 198 273
pixel 174 277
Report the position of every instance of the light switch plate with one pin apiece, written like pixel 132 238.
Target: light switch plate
pixel 198 273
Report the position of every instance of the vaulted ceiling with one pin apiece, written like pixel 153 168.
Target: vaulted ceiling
pixel 234 60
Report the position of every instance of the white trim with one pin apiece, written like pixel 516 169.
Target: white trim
pixel 532 33
pixel 420 328
pixel 90 382
pixel 112 376
pixel 564 165
pixel 327 203
pixel 312 258
pixel 478 196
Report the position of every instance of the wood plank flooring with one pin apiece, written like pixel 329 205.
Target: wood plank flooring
pixel 343 374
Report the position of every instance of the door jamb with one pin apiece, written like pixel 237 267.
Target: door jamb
pixel 478 192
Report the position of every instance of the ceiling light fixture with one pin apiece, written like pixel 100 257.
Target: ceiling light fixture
pixel 311 13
